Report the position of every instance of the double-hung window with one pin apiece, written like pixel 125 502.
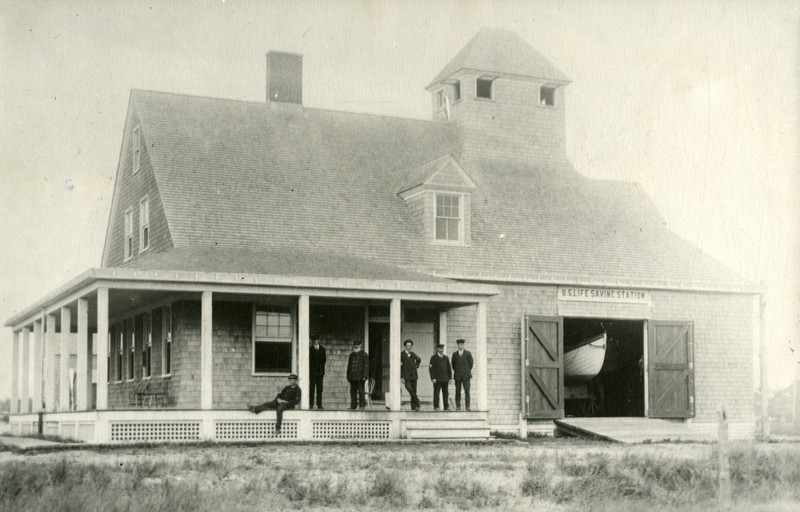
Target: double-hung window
pixel 128 234
pixel 166 341
pixel 147 343
pixel 272 339
pixel 448 217
pixel 120 350
pixel 110 351
pixel 144 224
pixel 137 150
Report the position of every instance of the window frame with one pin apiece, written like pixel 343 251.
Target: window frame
pixel 491 88
pixel 457 91
pixel 144 224
pixel 461 221
pixel 543 98
pixel 292 340
pixel 136 150
pixel 127 241
pixel 120 351
pixel 440 100
pixel 166 340
pixel 130 367
pixel 110 351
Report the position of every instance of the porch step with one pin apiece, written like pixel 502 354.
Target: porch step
pixel 471 426
pixel 631 430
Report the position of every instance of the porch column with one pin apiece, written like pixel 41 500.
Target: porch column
pixel 480 341
pixel 394 353
pixel 443 328
pixel 15 374
pixel 50 343
pixel 102 349
pixel 304 340
pixel 36 399
pixel 84 372
pixel 63 378
pixel 206 355
pixel 26 370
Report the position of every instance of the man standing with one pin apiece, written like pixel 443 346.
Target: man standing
pixel 409 362
pixel 288 398
pixel 440 375
pixel 462 373
pixel 357 375
pixel 316 360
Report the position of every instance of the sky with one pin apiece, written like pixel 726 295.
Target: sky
pixel 697 101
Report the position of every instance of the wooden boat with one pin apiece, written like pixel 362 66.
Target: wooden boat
pixel 584 362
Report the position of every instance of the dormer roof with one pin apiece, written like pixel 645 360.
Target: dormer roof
pixel 497 51
pixel 444 174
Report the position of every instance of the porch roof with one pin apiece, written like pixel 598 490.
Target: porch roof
pixel 392 282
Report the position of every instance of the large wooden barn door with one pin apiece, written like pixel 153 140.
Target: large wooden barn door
pixel 544 367
pixel 670 369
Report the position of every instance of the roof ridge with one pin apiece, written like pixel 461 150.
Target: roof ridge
pixel 266 104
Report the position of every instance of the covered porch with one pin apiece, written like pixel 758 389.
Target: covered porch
pixel 175 356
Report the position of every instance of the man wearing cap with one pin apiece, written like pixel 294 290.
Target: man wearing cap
pixel 409 362
pixel 288 398
pixel 462 372
pixel 316 361
pixel 440 375
pixel 357 375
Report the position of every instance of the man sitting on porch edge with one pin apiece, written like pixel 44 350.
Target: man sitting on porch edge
pixel 288 398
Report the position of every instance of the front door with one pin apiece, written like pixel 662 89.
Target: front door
pixel 379 358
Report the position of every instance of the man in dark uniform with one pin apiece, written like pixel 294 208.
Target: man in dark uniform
pixel 316 360
pixel 288 398
pixel 440 375
pixel 462 372
pixel 409 362
pixel 357 375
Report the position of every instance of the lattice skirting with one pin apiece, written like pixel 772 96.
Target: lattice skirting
pixel 350 430
pixel 155 431
pixel 253 430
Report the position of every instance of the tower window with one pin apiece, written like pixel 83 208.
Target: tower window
pixel 440 100
pixel 547 95
pixel 484 88
pixel 457 91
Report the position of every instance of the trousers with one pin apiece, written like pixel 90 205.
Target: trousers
pixel 357 388
pixel 315 385
pixel 464 383
pixel 279 408
pixel 437 387
pixel 411 387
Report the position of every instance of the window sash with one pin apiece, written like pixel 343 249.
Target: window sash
pixel 144 224
pixel 128 233
pixel 448 218
pixel 273 339
pixel 137 157
pixel 166 341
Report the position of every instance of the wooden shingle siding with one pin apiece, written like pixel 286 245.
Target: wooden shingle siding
pixel 131 189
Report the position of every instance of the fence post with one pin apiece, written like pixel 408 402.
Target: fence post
pixel 724 464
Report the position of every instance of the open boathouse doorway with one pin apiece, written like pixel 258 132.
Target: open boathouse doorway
pixel 604 367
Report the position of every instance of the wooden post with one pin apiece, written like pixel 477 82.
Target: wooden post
pixel 83 369
pixel 395 332
pixel 50 343
pixel 36 399
pixel 764 367
pixel 24 394
pixel 304 340
pixel 481 356
pixel 15 374
pixel 63 378
pixel 102 350
pixel 206 354
pixel 724 464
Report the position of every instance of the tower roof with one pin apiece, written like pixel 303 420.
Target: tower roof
pixel 501 51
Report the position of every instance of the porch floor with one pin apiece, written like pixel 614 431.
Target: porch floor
pixel 631 430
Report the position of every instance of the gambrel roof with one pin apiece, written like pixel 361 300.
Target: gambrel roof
pixel 260 177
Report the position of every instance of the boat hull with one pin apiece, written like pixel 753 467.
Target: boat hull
pixel 584 363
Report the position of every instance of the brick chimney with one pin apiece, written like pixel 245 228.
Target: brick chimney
pixel 284 77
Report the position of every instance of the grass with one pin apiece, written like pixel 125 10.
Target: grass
pixel 517 476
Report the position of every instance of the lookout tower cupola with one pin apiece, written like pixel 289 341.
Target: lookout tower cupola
pixel 505 98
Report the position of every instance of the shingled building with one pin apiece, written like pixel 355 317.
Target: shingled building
pixel 239 229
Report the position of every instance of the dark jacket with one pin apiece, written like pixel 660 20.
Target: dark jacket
pixel 316 361
pixel 358 366
pixel 440 368
pixel 462 365
pixel 291 395
pixel 409 362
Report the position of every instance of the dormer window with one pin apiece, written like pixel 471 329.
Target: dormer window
pixel 547 96
pixel 448 217
pixel 484 88
pixel 137 156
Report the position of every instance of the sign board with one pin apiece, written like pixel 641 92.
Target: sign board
pixel 588 294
